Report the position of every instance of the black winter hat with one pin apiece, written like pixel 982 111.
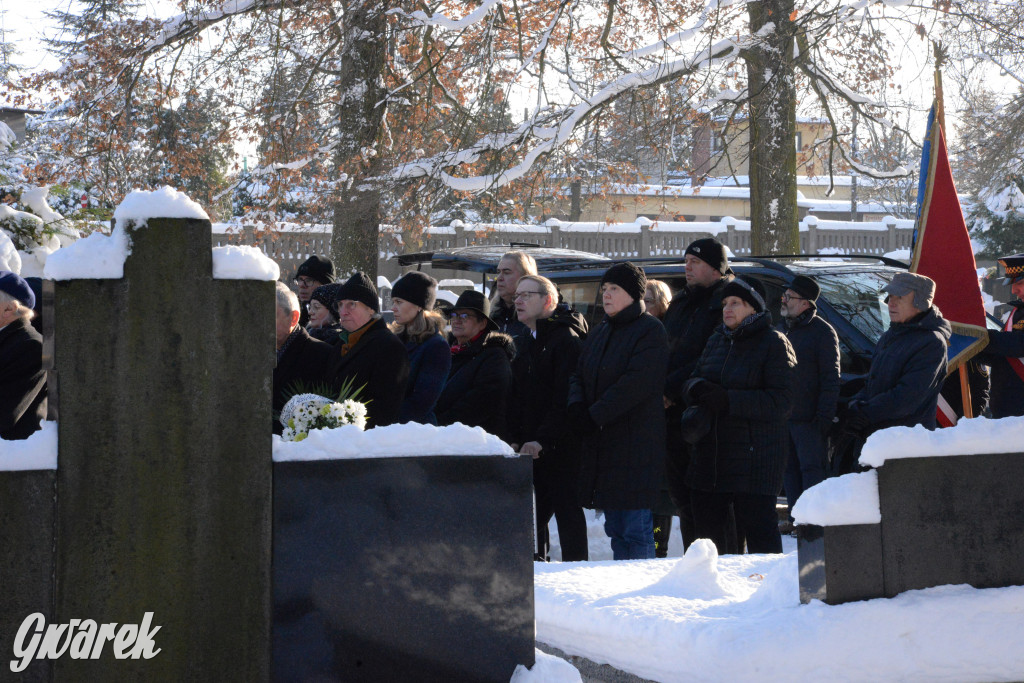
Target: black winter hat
pixel 629 277
pixel 710 251
pixel 417 288
pixel 751 291
pixel 13 285
pixel 318 268
pixel 805 287
pixel 359 287
pixel 327 295
pixel 473 300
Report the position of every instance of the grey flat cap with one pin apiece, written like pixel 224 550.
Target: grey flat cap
pixel 922 286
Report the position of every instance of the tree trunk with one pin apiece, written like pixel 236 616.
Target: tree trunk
pixel 770 73
pixel 360 115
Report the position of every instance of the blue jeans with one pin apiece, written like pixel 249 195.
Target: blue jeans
pixel 631 533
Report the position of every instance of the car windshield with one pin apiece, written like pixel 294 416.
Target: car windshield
pixel 858 297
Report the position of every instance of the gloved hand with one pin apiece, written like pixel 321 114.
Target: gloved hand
pixel 824 426
pixel 714 397
pixel 855 421
pixel 579 420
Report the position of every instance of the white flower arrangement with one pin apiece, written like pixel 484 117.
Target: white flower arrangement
pixel 306 412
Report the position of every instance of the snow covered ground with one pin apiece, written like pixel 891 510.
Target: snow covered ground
pixel 739 618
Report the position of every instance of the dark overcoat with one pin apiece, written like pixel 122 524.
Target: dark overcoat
pixel 817 371
pixel 22 380
pixel 745 451
pixel 479 383
pixel 1007 394
pixel 541 372
pixel 378 363
pixel 907 371
pixel 620 378
pixel 430 362
pixel 305 366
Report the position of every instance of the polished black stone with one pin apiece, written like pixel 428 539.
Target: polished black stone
pixel 164 478
pixel 403 569
pixel 840 563
pixel 26 561
pixel 952 520
pixel 945 520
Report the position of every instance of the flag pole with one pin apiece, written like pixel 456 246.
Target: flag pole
pixel 940 121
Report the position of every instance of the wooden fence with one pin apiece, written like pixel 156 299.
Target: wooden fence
pixel 643 238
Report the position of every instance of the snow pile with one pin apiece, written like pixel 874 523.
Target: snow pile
pixel 97 257
pixel 849 499
pixel 899 255
pixel 140 205
pixel 37 452
pixel 548 669
pixel 7 136
pixel 243 263
pixel 620 613
pixel 394 441
pixel 9 257
pixel 979 435
pixel 696 576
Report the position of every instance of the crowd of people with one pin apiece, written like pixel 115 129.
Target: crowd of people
pixel 695 404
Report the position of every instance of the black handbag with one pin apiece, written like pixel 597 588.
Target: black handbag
pixel 695 423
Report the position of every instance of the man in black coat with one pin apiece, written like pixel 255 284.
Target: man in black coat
pixel 480 380
pixel 316 271
pixel 909 364
pixel 303 363
pixel 693 315
pixel 816 381
pixel 512 266
pixel 372 357
pixel 22 378
pixel 546 358
pixel 1005 350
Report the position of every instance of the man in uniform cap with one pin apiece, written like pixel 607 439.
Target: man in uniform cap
pixel 22 378
pixel 909 364
pixel 1005 350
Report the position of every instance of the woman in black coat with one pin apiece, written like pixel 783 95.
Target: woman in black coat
pixel 744 380
pixel 418 326
pixel 616 407
pixel 476 393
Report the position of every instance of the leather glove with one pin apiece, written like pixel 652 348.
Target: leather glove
pixel 714 397
pixel 855 421
pixel 579 420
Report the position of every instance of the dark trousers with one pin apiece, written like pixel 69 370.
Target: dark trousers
pixel 557 496
pixel 808 454
pixel 677 461
pixel 756 520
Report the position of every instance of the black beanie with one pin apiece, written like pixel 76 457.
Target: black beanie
pixel 318 268
pixel 360 288
pixel 327 295
pixel 751 291
pixel 805 287
pixel 416 288
pixel 629 277
pixel 711 252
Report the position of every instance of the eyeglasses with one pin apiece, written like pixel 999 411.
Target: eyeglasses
pixel 525 295
pixel 466 315
pixel 304 281
pixel 787 297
